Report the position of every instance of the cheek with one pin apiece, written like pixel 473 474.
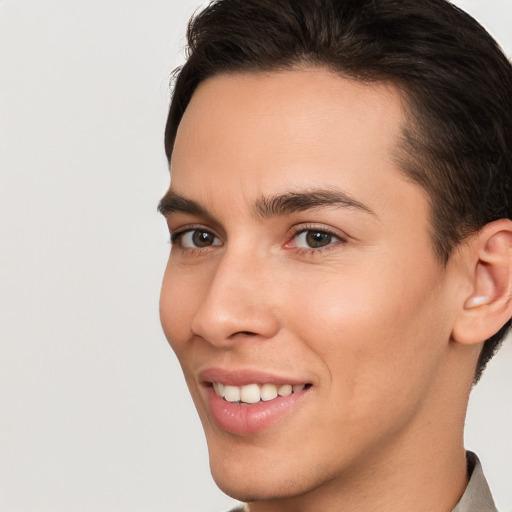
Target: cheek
pixel 369 332
pixel 178 299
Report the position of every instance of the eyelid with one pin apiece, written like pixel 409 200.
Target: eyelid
pixel 301 228
pixel 178 233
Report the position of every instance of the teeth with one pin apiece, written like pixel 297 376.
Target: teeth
pixel 268 392
pixel 285 390
pixel 232 393
pixel 253 393
pixel 219 388
pixel 250 394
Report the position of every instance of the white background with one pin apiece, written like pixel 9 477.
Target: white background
pixel 94 415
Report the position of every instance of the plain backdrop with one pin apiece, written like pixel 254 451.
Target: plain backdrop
pixel 94 414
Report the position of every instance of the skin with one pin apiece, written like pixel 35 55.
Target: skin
pixel 367 319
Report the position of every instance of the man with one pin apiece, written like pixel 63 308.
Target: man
pixel 341 262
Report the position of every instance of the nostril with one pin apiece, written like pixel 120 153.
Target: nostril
pixel 243 333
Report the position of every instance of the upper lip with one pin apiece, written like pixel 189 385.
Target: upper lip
pixel 242 377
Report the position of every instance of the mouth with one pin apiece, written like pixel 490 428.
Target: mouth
pixel 246 402
pixel 251 394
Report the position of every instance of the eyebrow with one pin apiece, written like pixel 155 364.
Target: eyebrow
pixel 294 202
pixel 175 203
pixel 270 206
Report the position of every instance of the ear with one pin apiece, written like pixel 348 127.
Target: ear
pixel 488 305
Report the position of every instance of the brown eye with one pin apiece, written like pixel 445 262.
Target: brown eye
pixel 317 239
pixel 202 238
pixel 314 239
pixel 197 239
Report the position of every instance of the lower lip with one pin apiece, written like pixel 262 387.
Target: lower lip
pixel 250 419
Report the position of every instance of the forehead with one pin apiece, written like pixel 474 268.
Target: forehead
pixel 272 132
pixel 301 104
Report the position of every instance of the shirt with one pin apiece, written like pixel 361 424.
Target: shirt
pixel 476 498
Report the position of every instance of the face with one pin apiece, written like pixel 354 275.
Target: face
pixel 302 296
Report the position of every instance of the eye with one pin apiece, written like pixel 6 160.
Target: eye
pixel 314 239
pixel 195 239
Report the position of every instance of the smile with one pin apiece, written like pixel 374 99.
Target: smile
pixel 251 408
pixel 254 393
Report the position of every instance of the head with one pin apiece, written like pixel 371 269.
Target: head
pixel 457 143
pixel 288 116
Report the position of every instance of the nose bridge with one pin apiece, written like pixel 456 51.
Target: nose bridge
pixel 236 301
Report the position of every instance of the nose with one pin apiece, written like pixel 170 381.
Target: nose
pixel 237 303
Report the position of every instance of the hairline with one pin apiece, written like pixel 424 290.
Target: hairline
pixel 403 152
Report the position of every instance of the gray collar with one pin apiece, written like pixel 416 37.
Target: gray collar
pixel 477 497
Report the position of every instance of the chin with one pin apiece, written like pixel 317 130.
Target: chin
pixel 239 475
pixel 249 475
pixel 250 485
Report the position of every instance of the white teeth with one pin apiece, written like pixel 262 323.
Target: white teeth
pixel 268 392
pixel 250 394
pixel 219 388
pixel 253 393
pixel 285 390
pixel 232 393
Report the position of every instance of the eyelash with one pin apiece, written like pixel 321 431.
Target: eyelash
pixel 296 231
pixel 176 237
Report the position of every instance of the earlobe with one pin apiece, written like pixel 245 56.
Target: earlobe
pixel 474 302
pixel 489 304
